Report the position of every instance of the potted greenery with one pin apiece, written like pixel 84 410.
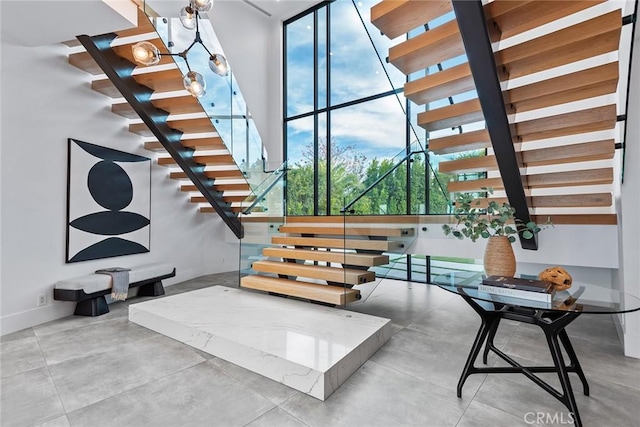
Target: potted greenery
pixel 496 223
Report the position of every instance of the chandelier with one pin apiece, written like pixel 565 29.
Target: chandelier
pixel 146 53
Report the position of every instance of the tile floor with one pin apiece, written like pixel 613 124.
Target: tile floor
pixel 105 371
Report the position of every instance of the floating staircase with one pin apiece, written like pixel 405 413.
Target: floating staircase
pixel 190 142
pixel 324 261
pixel 551 56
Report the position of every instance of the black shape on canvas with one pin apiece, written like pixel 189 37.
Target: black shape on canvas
pixel 109 153
pixel 110 223
pixel 113 246
pixel 110 186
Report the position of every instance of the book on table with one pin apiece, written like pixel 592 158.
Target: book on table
pixel 531 289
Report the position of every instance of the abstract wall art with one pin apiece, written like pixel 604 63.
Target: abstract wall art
pixel 108 202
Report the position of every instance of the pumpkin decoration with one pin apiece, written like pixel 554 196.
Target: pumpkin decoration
pixel 558 276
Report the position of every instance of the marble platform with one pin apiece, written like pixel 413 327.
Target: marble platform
pixel 308 347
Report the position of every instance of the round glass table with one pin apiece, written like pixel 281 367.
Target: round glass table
pixel 552 317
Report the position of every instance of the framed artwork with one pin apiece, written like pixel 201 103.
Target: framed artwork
pixel 108 202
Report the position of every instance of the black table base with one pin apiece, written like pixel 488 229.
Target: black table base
pixel 553 324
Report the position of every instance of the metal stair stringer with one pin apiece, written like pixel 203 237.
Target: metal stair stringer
pixel 119 71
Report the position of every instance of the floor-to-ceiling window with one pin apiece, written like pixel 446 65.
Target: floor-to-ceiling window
pixel 345 116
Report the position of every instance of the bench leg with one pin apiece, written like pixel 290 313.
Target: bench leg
pixel 92 307
pixel 151 289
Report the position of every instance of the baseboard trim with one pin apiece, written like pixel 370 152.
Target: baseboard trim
pixel 36 316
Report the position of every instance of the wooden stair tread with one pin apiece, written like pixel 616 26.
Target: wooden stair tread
pixel 84 62
pixel 209 160
pixel 584 40
pixel 213 143
pixel 201 125
pixel 367 260
pixel 396 17
pixel 474 140
pixel 472 164
pixel 583 84
pixel 582 121
pixel 440 85
pixel 578 219
pixel 144 26
pixel 125 51
pixel 159 81
pixel 451 116
pixel 218 187
pixel 228 199
pixel 526 15
pixel 324 293
pixel 348 276
pixel 227 173
pixel 341 231
pixel 571 178
pixel 429 48
pixel 374 245
pixel 588 151
pixel 179 105
pixel 557 201
pixel 473 185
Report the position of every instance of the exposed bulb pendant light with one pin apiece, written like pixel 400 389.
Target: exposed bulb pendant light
pixel 195 84
pixel 202 5
pixel 218 64
pixel 188 17
pixel 146 53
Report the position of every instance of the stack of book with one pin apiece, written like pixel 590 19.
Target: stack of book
pixel 530 289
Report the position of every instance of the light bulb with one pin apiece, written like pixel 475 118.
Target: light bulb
pixel 202 5
pixel 218 64
pixel 195 84
pixel 188 17
pixel 146 53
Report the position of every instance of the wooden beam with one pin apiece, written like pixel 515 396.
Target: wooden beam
pixel 475 140
pixel 588 151
pixel 577 122
pixel 314 242
pixel 348 230
pixel 440 85
pixel 348 276
pixel 458 114
pixel 324 293
pixel 396 17
pixel 346 258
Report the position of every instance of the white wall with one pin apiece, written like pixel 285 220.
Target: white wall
pixel 629 277
pixel 44 102
pixel 252 42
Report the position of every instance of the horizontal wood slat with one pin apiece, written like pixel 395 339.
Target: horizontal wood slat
pixel 429 48
pixel 473 164
pixel 179 105
pixel 218 187
pixel 526 15
pixel 572 200
pixel 365 260
pixel 584 219
pixel 229 173
pixel 584 40
pixel 451 116
pixel 583 84
pixel 84 62
pixel 330 274
pixel 202 125
pixel 323 293
pixel 373 245
pixel 474 140
pixel 440 85
pixel 571 178
pixel 396 17
pixel 159 81
pixel 347 230
pixel 589 120
pixel 588 151
pixel 473 185
pixel 209 160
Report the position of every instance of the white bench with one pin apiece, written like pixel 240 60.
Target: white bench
pixel 89 291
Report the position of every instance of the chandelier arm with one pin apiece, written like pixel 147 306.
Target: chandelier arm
pixel 205 48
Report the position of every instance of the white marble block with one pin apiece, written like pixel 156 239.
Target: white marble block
pixel 308 347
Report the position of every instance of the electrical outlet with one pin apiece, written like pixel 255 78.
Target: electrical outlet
pixel 42 300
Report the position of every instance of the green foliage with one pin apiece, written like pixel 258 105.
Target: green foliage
pixel 497 219
pixel 351 174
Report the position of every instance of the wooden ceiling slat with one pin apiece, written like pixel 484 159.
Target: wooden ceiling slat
pixel 474 140
pixel 583 84
pixel 451 116
pixel 397 17
pixel 531 14
pixel 440 85
pixel 429 48
pixel 584 40
pixel 588 120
